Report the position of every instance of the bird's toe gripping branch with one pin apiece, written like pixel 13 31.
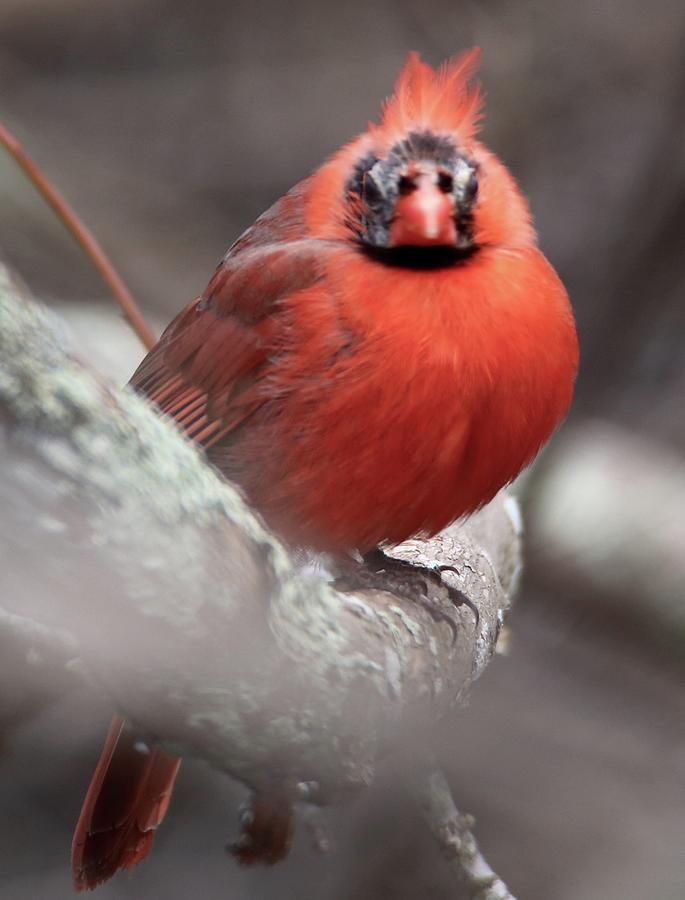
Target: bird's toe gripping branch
pixel 424 584
pixel 266 827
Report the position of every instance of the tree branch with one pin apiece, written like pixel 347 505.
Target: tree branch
pixel 159 585
pixel 452 831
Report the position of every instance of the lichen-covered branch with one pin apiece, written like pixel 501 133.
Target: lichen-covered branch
pixel 164 589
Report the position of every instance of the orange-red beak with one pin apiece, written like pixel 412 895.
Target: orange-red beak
pixel 424 217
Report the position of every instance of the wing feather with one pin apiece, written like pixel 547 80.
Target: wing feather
pixel 205 370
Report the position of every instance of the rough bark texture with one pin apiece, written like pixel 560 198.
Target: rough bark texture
pixel 129 562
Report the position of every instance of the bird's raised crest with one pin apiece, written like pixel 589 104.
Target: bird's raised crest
pixel 442 100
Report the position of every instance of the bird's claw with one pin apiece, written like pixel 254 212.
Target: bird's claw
pixel 381 562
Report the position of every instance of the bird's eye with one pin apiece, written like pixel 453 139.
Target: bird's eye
pixel 445 182
pixel 471 188
pixel 406 185
pixel 372 193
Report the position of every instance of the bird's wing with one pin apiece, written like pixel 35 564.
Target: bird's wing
pixel 205 369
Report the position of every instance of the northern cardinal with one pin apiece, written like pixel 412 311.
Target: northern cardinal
pixel 380 353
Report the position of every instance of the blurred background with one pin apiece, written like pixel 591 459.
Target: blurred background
pixel 170 126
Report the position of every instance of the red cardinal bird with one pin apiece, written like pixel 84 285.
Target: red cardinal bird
pixel 380 353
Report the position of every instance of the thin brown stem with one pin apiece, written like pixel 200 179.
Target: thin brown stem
pixel 82 234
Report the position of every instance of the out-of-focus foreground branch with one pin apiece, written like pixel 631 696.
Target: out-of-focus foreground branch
pixel 129 563
pixel 609 516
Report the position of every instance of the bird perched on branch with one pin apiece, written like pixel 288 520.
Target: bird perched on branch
pixel 375 357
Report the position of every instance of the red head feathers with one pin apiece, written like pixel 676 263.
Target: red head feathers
pixel 439 101
pixel 442 108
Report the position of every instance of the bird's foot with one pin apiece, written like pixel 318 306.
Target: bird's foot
pixel 408 574
pixel 266 828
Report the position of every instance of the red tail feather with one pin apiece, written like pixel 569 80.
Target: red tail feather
pixel 126 801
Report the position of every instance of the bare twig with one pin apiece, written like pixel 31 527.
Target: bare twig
pixel 453 832
pixel 82 234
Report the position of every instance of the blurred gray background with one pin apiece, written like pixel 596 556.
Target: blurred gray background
pixel 170 126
